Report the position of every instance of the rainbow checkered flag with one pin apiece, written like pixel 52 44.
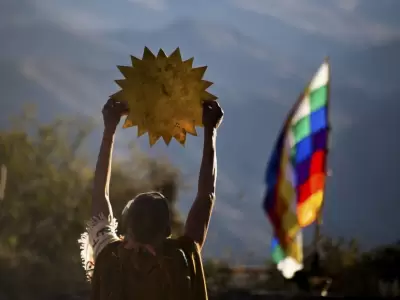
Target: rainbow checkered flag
pixel 296 173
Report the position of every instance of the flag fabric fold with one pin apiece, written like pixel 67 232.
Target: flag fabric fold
pixel 296 172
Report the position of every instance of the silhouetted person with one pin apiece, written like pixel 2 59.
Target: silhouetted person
pixel 146 263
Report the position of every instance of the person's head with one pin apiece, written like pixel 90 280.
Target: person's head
pixel 146 219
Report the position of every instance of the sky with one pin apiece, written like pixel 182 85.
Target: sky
pixel 62 55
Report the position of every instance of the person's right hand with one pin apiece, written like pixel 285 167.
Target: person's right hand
pixel 212 114
pixel 112 113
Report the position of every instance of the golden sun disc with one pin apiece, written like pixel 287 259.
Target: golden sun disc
pixel 164 95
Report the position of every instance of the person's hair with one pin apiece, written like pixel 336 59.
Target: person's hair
pixel 146 218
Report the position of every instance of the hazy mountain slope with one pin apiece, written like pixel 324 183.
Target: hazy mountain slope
pixel 364 190
pixel 257 83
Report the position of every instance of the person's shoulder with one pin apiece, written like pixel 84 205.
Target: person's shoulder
pixel 108 254
pixel 183 242
pixel 110 248
pixel 106 266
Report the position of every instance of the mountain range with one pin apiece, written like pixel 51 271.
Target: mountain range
pixel 257 82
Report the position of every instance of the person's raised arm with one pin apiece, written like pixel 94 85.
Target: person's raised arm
pixel 200 213
pixel 112 112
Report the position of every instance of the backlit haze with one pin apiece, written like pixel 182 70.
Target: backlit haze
pixel 62 55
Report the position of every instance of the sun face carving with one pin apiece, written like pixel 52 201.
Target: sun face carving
pixel 164 95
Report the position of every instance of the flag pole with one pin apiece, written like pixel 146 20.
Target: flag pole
pixel 319 221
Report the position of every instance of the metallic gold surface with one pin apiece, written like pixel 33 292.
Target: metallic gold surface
pixel 164 95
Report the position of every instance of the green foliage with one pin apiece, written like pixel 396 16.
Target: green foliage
pixel 47 193
pixel 338 254
pixel 47 201
pixel 218 274
pixel 354 273
pixel 275 281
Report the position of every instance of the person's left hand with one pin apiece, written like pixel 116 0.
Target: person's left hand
pixel 212 114
pixel 112 113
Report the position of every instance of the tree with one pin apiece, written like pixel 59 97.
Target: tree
pixel 338 254
pixel 47 201
pixel 218 274
pixel 337 257
pixel 359 274
pixel 274 279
